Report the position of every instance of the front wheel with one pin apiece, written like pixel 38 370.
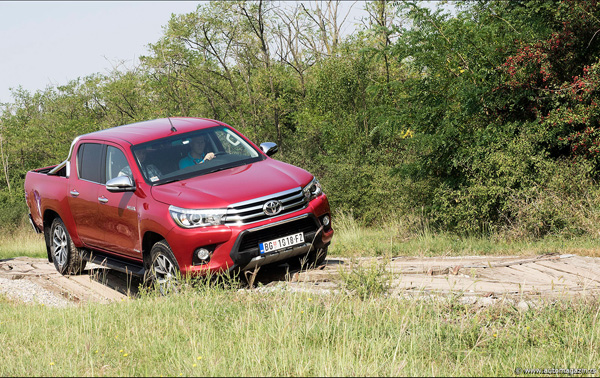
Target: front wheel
pixel 163 270
pixel 319 256
pixel 65 255
pixel 313 258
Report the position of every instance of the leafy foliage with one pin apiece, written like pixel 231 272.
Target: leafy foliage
pixel 482 120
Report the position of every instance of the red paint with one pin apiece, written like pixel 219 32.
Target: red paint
pixel 116 223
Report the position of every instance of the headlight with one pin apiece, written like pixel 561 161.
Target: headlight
pixel 192 218
pixel 312 190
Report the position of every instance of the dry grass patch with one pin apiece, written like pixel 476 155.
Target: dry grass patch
pixel 21 241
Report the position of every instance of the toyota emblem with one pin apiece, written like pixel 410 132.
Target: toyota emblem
pixel 272 208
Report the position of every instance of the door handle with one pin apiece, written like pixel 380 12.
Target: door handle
pixel 74 193
pixel 103 199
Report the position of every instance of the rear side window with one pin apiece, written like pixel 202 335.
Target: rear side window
pixel 89 159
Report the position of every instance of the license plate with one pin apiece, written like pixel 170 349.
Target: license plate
pixel 281 243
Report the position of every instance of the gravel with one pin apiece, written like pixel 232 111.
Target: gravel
pixel 30 292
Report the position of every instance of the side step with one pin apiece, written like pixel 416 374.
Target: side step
pixel 127 267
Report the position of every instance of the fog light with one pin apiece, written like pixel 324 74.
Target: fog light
pixel 203 254
pixel 326 221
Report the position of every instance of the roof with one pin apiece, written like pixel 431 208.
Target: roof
pixel 146 131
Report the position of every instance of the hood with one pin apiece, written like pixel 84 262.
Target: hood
pixel 221 189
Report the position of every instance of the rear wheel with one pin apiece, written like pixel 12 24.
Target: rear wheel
pixel 163 271
pixel 65 255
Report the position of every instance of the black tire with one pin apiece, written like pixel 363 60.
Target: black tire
pixel 313 258
pixel 66 257
pixel 163 270
pixel 319 256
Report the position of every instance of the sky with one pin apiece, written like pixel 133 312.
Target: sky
pixel 52 42
pixel 49 43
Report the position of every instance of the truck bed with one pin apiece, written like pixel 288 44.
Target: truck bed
pixel 62 172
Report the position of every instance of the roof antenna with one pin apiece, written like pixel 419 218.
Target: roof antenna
pixel 172 127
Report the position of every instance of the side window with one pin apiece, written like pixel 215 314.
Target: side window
pixel 233 144
pixel 116 164
pixel 89 159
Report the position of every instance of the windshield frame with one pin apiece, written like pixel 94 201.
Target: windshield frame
pixel 172 144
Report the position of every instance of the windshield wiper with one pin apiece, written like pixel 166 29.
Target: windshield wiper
pixel 202 172
pixel 228 166
pixel 167 181
pixel 218 169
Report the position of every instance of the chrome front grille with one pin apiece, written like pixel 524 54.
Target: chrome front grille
pixel 252 211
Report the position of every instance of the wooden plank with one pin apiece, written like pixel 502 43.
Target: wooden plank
pixel 531 275
pixel 583 263
pixel 461 285
pixel 576 275
pixel 437 266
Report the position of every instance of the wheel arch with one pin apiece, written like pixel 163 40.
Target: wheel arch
pixel 150 238
pixel 48 218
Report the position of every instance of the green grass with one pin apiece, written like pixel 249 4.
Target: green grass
pixel 21 241
pixel 397 238
pixel 211 330
pixel 394 239
pixel 223 332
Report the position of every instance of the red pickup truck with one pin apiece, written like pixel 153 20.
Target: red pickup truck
pixel 176 196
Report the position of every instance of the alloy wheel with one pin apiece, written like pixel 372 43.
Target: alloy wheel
pixel 165 274
pixel 61 245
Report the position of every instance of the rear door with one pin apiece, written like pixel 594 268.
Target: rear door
pixel 83 192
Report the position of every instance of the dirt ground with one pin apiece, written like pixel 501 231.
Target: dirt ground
pixel 483 279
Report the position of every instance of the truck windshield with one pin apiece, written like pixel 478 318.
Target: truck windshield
pixel 193 154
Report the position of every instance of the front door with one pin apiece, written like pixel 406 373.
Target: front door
pixel 117 212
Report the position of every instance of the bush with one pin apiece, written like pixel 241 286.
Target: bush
pixel 567 203
pixel 13 209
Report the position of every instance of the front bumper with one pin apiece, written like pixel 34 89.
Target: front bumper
pixel 237 248
pixel 246 255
